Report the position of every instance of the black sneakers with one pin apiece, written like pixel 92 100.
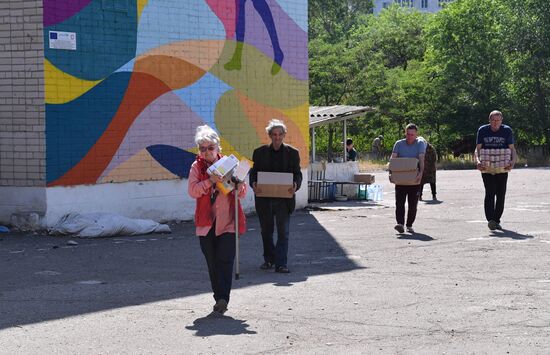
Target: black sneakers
pixel 266 266
pixel 282 269
pixel 220 306
pixel 399 228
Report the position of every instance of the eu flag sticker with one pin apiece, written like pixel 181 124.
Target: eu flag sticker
pixel 53 35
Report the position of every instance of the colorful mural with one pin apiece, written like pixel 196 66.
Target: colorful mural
pixel 124 105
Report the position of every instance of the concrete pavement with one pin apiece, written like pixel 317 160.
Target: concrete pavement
pixel 355 287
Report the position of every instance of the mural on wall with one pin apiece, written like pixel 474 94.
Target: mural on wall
pixel 124 105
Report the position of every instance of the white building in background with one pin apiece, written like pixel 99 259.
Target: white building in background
pixel 420 5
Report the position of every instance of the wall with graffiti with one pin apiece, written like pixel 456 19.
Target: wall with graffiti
pixel 123 103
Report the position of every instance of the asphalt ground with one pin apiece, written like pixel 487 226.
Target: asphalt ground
pixel 356 286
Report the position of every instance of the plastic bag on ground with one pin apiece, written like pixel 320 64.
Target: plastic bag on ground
pixel 92 225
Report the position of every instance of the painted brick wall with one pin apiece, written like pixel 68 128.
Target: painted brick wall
pixel 22 124
pixel 124 105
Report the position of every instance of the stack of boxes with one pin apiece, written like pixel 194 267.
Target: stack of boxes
pixel 224 169
pixel 495 160
pixel 403 171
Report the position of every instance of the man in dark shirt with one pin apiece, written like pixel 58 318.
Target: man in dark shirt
pixel 281 158
pixel 351 152
pixel 495 135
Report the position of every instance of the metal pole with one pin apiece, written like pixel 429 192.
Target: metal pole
pixel 236 230
pixel 345 139
pixel 313 143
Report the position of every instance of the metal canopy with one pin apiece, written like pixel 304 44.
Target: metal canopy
pixel 322 115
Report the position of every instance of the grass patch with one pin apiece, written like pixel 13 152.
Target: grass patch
pixel 367 166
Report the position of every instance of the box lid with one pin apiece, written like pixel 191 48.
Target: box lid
pixel 270 178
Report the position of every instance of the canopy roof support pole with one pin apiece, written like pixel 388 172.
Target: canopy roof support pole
pixel 313 144
pixel 345 139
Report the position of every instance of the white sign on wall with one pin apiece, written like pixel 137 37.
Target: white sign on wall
pixel 62 40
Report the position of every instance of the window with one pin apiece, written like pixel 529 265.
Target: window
pixel 424 4
pixel 405 3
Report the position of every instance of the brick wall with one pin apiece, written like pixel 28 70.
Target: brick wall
pixel 22 114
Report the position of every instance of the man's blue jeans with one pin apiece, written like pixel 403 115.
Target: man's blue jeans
pixel 271 212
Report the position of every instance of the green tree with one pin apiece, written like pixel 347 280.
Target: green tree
pixel 467 59
pixel 528 51
pixel 334 19
pixel 389 51
pixel 393 38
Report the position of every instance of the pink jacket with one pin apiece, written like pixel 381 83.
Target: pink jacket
pixel 225 221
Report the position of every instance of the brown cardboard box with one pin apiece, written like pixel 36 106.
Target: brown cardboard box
pixel 403 171
pixel 363 177
pixel 404 177
pixel 274 184
pixel 403 164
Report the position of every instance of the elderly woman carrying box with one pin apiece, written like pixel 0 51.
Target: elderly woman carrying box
pixel 215 216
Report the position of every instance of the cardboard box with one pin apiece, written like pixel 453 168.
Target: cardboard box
pixel 495 160
pixel 404 177
pixel 239 172
pixel 403 164
pixel 223 166
pixel 363 177
pixel 403 171
pixel 274 184
pixel 242 169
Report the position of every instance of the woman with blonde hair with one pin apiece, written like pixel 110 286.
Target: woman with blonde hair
pixel 215 216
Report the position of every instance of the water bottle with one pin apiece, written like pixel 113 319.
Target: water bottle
pixel 379 193
pixel 363 194
pixel 370 192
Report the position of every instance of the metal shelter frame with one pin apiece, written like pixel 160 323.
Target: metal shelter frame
pixel 322 115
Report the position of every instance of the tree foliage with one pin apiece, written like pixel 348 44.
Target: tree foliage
pixel 443 71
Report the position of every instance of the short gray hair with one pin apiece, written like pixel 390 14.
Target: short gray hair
pixel 275 123
pixel 496 113
pixel 205 134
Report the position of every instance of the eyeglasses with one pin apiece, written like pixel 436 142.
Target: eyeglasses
pixel 204 149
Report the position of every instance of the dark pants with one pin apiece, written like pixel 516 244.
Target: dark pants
pixel 403 193
pixel 273 211
pixel 219 253
pixel 432 186
pixel 495 186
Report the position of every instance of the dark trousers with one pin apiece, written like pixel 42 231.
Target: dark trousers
pixel 432 186
pixel 219 253
pixel 403 193
pixel 273 211
pixel 495 186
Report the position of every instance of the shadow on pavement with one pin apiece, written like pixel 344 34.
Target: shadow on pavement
pixel 432 202
pixel 214 324
pixel 416 236
pixel 505 233
pixel 42 278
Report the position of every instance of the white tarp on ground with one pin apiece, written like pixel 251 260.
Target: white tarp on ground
pixel 91 225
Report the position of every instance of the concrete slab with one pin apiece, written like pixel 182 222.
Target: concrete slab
pixel 355 287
